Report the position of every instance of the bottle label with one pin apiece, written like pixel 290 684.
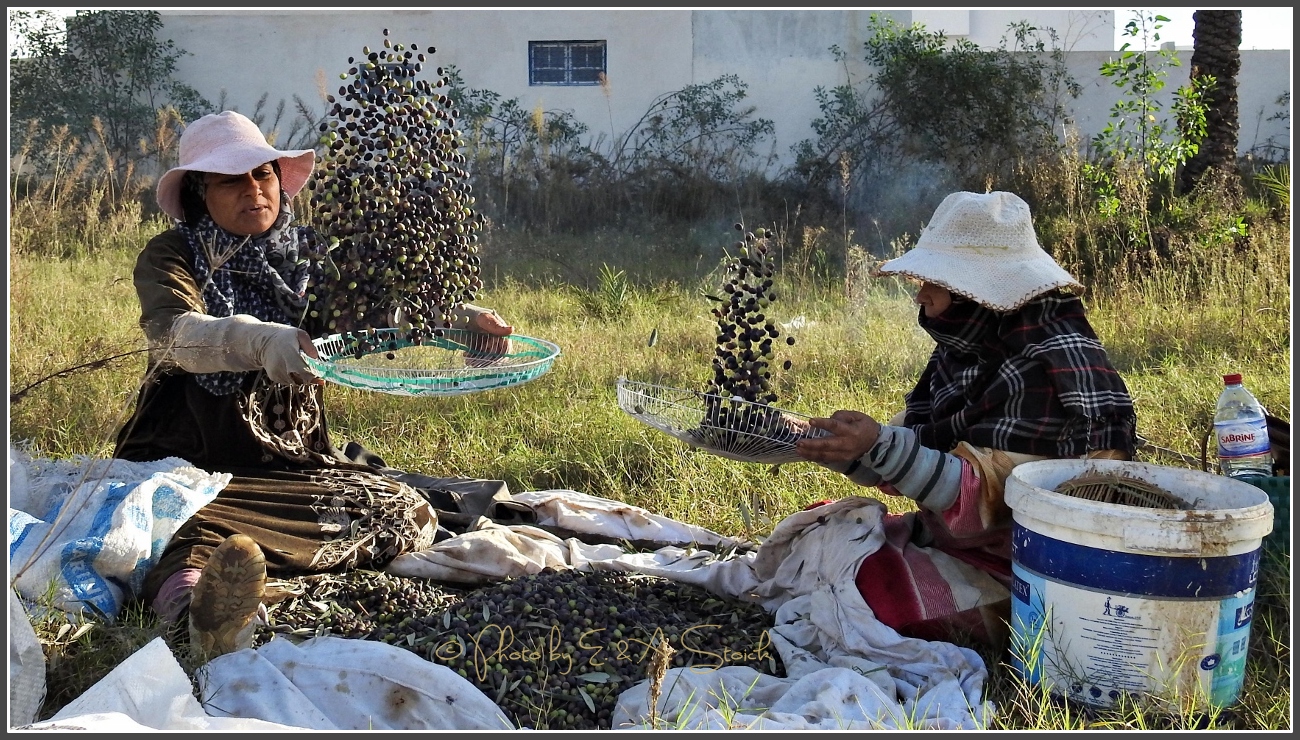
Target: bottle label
pixel 1242 438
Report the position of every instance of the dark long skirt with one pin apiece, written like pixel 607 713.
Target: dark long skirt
pixel 321 521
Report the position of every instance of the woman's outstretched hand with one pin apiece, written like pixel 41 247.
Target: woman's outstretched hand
pixel 489 322
pixel 489 349
pixel 852 434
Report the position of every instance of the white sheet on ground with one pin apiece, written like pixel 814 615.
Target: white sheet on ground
pixel 587 514
pixel 147 691
pixel 493 551
pixel 741 698
pixel 485 555
pixel 92 529
pixel 332 683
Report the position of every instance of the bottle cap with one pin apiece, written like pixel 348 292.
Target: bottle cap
pixel 1232 379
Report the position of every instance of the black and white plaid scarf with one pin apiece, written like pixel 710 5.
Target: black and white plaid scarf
pixel 264 276
pixel 1034 381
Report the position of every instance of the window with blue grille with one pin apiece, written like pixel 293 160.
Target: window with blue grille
pixel 565 62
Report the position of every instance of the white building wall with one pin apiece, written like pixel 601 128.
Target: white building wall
pixel 1076 30
pixel 953 22
pixel 1264 76
pixel 781 55
pixel 246 53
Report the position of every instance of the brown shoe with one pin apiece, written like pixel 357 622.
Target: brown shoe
pixel 226 598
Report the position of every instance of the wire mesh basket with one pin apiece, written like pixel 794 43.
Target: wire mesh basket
pixel 728 427
pixel 458 362
pixel 1120 489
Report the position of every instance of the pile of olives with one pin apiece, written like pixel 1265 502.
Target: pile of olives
pixel 392 201
pixel 356 603
pixel 553 650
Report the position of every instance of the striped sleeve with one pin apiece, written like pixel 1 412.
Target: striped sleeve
pixel 930 477
pixel 861 474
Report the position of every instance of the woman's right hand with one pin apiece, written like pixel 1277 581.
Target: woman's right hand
pixel 306 345
pixel 282 353
pixel 241 343
pixel 852 434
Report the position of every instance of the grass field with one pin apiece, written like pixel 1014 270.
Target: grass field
pixel 858 347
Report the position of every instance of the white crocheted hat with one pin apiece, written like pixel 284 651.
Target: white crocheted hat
pixel 230 144
pixel 982 246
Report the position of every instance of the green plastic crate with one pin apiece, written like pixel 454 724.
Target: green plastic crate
pixel 1278 489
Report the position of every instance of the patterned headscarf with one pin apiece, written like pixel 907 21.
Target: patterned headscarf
pixel 1035 381
pixel 264 276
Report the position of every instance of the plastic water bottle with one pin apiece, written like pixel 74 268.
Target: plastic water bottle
pixel 1242 432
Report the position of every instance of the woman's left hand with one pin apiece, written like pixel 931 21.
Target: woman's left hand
pixel 489 322
pixel 489 349
pixel 853 433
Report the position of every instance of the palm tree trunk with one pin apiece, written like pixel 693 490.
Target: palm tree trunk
pixel 1216 42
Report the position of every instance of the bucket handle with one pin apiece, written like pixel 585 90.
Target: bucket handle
pixel 1205 447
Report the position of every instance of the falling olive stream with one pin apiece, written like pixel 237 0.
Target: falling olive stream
pixel 392 202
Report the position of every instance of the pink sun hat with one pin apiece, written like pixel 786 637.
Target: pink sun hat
pixel 229 143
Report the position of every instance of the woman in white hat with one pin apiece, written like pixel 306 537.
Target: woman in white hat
pixel 222 295
pixel 1017 374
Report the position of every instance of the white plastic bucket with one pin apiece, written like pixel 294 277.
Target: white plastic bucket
pixel 1111 599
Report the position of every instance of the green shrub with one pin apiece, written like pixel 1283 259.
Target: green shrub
pixel 684 160
pixel 104 74
pixel 936 115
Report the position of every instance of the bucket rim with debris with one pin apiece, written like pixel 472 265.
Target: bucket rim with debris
pixel 1222 511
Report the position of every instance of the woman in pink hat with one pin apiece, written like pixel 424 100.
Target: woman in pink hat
pixel 222 295
pixel 1017 374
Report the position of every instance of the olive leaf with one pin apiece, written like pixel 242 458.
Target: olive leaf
pixel 591 705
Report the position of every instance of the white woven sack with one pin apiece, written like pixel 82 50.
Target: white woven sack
pixel 26 666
